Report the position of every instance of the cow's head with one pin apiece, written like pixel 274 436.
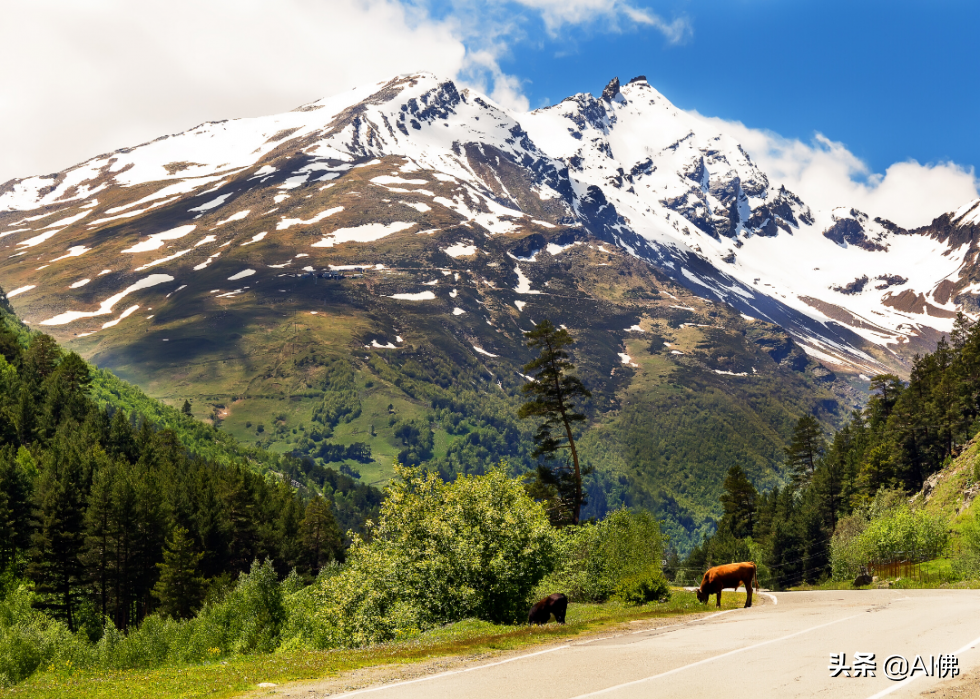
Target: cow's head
pixel 702 596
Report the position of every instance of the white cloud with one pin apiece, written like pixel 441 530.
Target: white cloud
pixel 84 78
pixel 825 174
pixel 615 13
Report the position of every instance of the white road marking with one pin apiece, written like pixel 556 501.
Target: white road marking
pixel 907 680
pixel 712 659
pixel 509 660
pixel 770 596
pixel 710 616
pixel 451 672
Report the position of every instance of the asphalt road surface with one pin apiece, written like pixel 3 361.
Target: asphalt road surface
pixel 780 648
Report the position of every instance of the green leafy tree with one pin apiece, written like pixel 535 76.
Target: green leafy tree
pixel 441 552
pixel 551 397
pixel 180 588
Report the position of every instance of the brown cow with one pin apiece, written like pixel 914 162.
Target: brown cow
pixel 552 604
pixel 731 575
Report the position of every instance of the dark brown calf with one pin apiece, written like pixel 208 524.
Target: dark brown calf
pixel 552 604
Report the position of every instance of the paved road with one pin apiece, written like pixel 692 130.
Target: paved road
pixel 779 649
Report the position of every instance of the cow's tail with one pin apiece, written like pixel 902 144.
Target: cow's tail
pixel 755 576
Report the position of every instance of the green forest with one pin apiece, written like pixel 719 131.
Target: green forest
pixel 858 480
pixel 134 536
pixel 100 506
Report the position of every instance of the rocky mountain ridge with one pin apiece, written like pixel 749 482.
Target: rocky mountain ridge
pixel 857 292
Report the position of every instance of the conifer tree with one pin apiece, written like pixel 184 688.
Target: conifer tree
pixel 321 537
pixel 551 396
pixel 805 450
pixel 42 356
pixel 96 556
pixel 26 416
pixel 738 501
pixel 58 536
pixel 15 510
pixel 180 587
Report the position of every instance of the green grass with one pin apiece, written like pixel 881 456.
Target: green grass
pixel 237 675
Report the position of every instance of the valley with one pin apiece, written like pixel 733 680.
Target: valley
pixel 350 281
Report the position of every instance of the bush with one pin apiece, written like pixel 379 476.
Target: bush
pixel 441 552
pixel 250 618
pixel 648 586
pixel 892 533
pixel 30 639
pixel 596 557
pixel 967 561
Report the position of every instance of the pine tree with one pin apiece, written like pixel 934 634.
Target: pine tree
pixel 186 408
pixel 242 518
pixel 179 588
pixel 42 356
pixel 97 554
pixel 26 418
pixel 15 518
pixel 321 537
pixel 150 536
pixel 551 397
pixel 805 450
pixel 58 536
pixel 738 501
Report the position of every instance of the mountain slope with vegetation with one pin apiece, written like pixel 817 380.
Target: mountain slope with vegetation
pixel 346 374
pixel 350 283
pixel 105 494
pixel 886 487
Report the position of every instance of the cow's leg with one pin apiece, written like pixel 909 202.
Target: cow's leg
pixel 718 599
pixel 748 592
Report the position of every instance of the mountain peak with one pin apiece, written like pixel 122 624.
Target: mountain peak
pixel 630 168
pixel 611 90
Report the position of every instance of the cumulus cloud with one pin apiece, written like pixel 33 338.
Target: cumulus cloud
pixel 95 76
pixel 85 78
pixel 825 174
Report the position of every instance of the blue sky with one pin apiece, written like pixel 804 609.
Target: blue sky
pixel 891 80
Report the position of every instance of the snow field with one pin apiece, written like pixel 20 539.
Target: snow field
pixel 105 307
pixel 366 233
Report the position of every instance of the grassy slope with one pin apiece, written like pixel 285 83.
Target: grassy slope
pixel 953 498
pixel 238 675
pixel 954 494
pixel 200 438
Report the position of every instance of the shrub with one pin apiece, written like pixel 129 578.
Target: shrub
pixel 967 561
pixel 648 586
pixel 891 533
pixel 250 618
pixel 30 639
pixel 595 557
pixel 441 552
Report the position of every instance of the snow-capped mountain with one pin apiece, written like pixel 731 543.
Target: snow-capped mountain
pixel 858 293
